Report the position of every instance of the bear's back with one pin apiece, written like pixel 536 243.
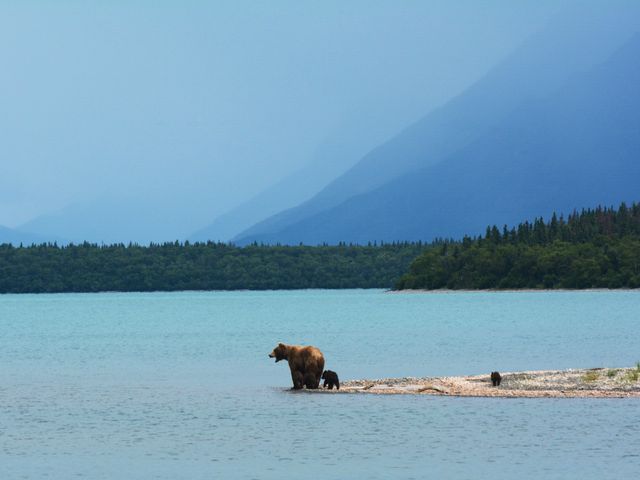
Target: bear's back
pixel 306 357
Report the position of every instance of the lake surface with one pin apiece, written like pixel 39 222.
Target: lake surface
pixel 178 385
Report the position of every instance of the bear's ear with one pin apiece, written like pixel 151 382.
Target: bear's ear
pixel 281 344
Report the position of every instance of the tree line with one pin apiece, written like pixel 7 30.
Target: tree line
pixel 594 248
pixel 86 267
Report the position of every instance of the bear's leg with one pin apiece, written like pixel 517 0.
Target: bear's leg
pixel 311 381
pixel 298 380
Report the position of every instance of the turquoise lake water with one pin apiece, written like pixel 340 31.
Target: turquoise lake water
pixel 179 385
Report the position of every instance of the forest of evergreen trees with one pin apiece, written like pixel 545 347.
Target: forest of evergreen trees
pixel 597 248
pixel 200 266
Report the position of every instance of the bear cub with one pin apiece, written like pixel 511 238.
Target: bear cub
pixel 330 379
pixel 496 378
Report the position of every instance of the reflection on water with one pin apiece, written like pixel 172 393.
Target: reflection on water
pixel 180 386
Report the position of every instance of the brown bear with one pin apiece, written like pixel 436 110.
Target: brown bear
pixel 496 378
pixel 330 379
pixel 306 364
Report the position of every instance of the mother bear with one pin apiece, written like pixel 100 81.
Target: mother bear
pixel 306 364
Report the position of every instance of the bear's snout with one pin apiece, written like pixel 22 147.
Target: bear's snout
pixel 273 355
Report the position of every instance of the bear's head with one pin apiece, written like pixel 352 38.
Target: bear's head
pixel 280 352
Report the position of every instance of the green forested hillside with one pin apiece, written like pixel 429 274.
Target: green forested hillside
pixel 593 249
pixel 200 266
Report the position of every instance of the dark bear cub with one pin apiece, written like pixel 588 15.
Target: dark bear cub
pixel 496 378
pixel 330 379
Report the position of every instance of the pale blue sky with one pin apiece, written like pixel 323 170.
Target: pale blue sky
pixel 196 106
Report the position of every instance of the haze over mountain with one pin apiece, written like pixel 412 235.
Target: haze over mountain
pixel 145 121
pixel 570 45
pixel 574 148
pixel 17 237
pixel 333 157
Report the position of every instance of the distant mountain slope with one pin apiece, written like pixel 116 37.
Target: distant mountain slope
pixel 578 147
pixel 332 158
pixel 265 204
pixel 17 237
pixel 573 44
pixel 114 218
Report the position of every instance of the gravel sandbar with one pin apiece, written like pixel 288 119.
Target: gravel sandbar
pixel 574 383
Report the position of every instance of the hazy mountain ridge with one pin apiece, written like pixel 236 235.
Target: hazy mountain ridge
pixel 577 147
pixel 535 70
pixel 331 159
pixel 17 237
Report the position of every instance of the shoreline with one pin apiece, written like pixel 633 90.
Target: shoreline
pixel 572 383
pixel 514 290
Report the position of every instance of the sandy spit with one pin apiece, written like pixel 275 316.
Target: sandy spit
pixel 574 383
